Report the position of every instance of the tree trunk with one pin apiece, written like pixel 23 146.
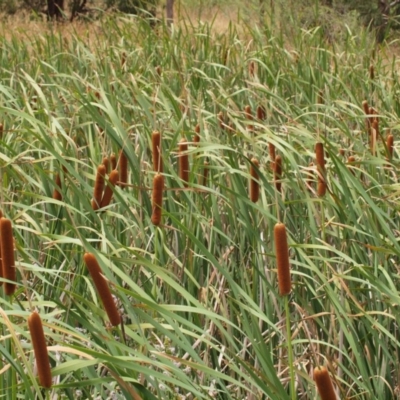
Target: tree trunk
pixel 170 12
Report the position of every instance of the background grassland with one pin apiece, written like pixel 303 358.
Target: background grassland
pixel 198 295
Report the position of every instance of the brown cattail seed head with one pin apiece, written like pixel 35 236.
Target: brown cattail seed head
pixel 156 148
pixel 254 185
pixel 324 384
pixel 106 163
pixel 108 192
pixel 196 137
pixel 157 195
pixel 183 162
pixel 40 349
pixel 221 120
pixel 342 152
pixel 102 288
pixel 1 131
pixel 389 145
pixel 57 190
pixel 113 161
pixel 351 160
pixel 158 70
pixel 252 68
pixel 7 254
pixel 123 169
pixel 249 116
pixel 278 173
pixel 123 58
pixel 320 162
pixel 282 259
pixel 271 150
pixel 1 260
pixel 261 113
pixel 98 187
pixel 371 72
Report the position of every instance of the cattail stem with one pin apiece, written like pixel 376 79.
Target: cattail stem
pixel 389 146
pixel 183 162
pixel 290 350
pixel 196 136
pixel 156 149
pixel 254 185
pixel 249 116
pixel 206 171
pixel 98 187
pixel 324 384
pixel 157 195
pixel 102 288
pixel 108 192
pixel 40 350
pixel 7 253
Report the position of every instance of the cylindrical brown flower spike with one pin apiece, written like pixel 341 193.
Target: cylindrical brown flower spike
pixel 106 163
pixel 254 185
pixel 108 192
pixel 156 149
pixel 278 173
pixel 40 350
pixel 389 145
pixel 271 150
pixel 183 162
pixel 157 195
pixel 7 253
pixel 123 169
pixel 249 117
pixel 324 384
pixel 1 259
pixel 196 136
pixel 57 195
pixel 320 163
pixel 261 113
pixel 102 288
pixel 98 187
pixel 282 259
pixel 113 161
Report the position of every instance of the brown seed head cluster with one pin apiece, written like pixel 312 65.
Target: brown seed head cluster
pixel 157 195
pixel 282 259
pixel 254 185
pixel 324 384
pixel 7 255
pixel 98 187
pixel 156 149
pixel 320 163
pixel 40 350
pixel 108 192
pixel 278 173
pixel 183 162
pixel 102 288
pixel 123 169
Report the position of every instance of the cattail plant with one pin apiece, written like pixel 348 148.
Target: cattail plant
pixel 351 160
pixel 159 70
pixel 254 185
pixel 282 259
pixel 252 67
pixel 278 173
pixel 389 146
pixel 196 136
pixel 271 150
pixel 249 116
pixel 261 113
pixel 108 192
pixel 1 131
pixel 183 162
pixel 371 72
pixel 342 152
pixel 320 164
pixel 40 350
pixel 106 163
pixel 113 161
pixel 221 120
pixel 157 195
pixel 102 288
pixel 156 148
pixel 98 187
pixel 324 384
pixel 7 255
pixel 367 120
pixel 123 169
pixel 57 195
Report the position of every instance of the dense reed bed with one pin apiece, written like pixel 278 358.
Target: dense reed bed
pixel 97 158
